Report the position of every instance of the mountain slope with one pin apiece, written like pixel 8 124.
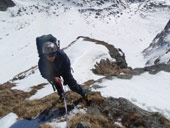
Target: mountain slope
pixel 130 25
pixel 158 51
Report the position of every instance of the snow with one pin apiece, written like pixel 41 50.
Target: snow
pixel 8 120
pixel 47 90
pixel 150 92
pixel 167 39
pixel 85 54
pixel 28 82
pixel 129 31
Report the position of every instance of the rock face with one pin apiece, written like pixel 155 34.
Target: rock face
pixel 152 69
pixel 136 0
pixel 111 110
pixel 4 4
pixel 159 50
pixel 100 8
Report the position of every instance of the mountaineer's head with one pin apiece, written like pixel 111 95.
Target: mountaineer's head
pixel 49 49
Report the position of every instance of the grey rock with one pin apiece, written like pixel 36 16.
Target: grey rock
pixel 4 4
pixel 81 125
pixel 125 76
pixel 94 110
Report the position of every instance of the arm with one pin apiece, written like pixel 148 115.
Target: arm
pixel 43 70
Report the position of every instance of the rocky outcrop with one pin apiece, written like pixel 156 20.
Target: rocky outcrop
pixel 150 69
pixel 159 50
pixel 108 67
pixel 4 4
pixel 107 111
pixel 115 53
pixel 136 1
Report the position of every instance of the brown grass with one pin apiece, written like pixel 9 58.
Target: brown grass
pixel 32 108
pixel 106 67
pixel 97 98
pixel 89 82
pixel 11 99
pixel 134 119
pixel 45 126
pixel 164 121
pixel 126 70
pixel 92 121
pixel 15 101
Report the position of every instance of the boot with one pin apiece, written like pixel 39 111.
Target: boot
pixel 61 99
pixel 87 99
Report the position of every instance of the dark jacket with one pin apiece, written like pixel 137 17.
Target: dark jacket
pixel 60 67
pixel 49 70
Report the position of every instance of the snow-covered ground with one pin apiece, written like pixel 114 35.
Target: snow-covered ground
pixel 130 31
pixel 150 92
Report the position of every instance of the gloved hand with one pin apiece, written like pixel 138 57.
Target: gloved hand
pixel 87 98
pixel 58 80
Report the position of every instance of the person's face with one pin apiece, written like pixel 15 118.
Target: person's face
pixel 51 58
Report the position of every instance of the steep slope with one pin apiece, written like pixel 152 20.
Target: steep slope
pixel 158 51
pixel 127 24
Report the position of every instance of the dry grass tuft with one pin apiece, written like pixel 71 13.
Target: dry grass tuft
pixel 92 121
pixel 89 82
pixel 11 99
pixel 97 98
pixel 126 70
pixel 45 126
pixel 32 108
pixel 106 67
pixel 163 120
pixel 133 119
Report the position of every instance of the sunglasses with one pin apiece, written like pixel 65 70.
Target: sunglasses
pixel 51 54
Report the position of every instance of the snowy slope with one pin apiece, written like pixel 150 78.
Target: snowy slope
pixel 132 28
pixel 21 29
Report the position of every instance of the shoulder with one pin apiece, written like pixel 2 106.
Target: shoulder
pixel 61 53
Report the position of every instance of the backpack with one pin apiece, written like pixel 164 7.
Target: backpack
pixel 45 38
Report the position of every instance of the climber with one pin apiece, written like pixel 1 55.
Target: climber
pixel 56 64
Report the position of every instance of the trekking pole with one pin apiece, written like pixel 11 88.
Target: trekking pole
pixel 65 103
